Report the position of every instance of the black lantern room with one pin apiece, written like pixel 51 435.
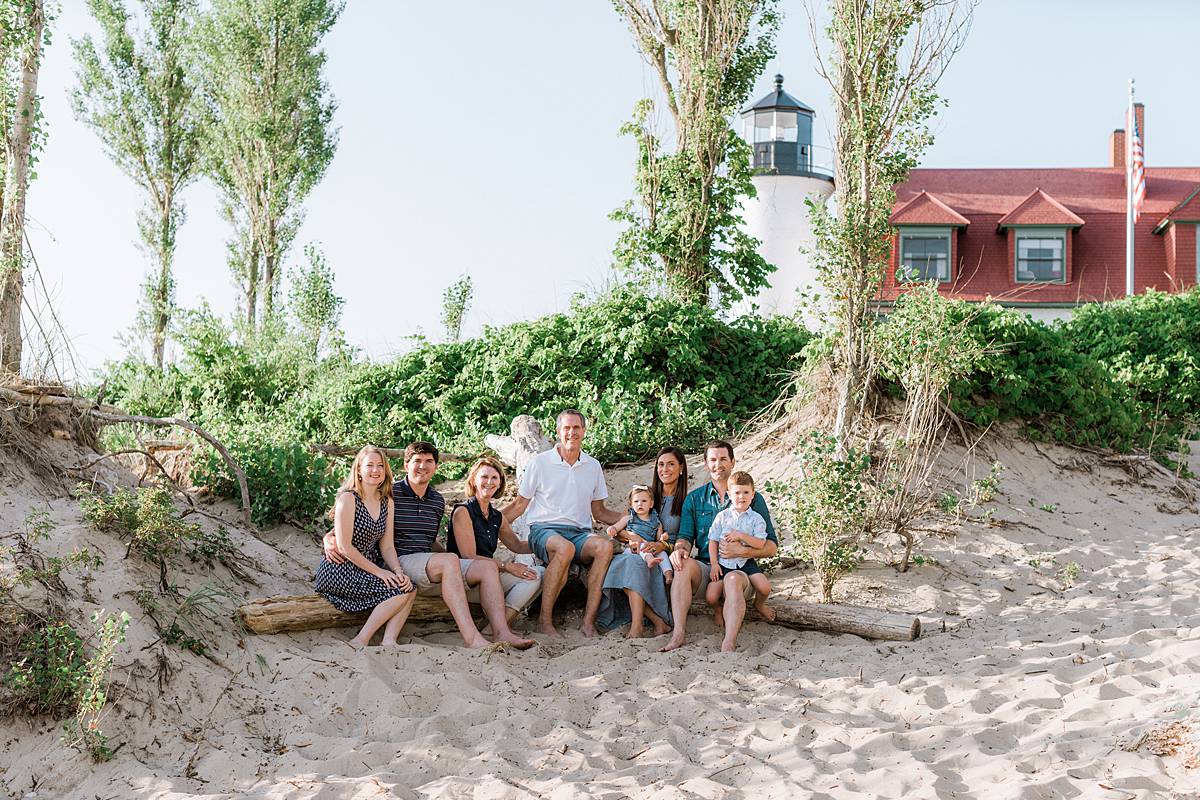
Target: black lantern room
pixel 779 129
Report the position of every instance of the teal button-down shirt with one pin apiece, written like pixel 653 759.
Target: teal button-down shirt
pixel 701 507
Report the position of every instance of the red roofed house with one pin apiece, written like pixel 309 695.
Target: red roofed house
pixel 1045 240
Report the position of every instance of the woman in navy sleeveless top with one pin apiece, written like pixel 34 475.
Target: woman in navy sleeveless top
pixel 477 528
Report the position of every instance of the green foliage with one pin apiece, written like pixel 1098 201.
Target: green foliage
pixel 269 120
pixel 186 623
pixel 134 91
pixel 455 302
pixel 1068 574
pixel 685 230
pixel 826 509
pixel 1150 343
pixel 147 519
pixel 84 729
pixel 49 669
pixel 1032 372
pixel 315 306
pixel 646 370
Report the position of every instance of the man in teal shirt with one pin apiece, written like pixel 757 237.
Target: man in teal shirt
pixel 700 507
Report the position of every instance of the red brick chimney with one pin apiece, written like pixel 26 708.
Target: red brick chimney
pixel 1116 142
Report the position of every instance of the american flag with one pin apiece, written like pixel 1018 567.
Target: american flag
pixel 1137 170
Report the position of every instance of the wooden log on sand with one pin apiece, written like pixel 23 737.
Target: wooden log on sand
pixel 291 613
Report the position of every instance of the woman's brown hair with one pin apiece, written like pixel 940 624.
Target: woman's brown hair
pixel 486 461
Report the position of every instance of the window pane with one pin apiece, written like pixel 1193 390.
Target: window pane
pixel 924 257
pixel 1040 258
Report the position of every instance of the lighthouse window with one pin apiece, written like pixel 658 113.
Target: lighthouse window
pixel 1041 256
pixel 924 256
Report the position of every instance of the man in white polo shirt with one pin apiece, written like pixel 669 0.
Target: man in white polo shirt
pixel 562 490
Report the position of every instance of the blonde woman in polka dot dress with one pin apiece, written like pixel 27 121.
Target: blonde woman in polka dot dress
pixel 362 525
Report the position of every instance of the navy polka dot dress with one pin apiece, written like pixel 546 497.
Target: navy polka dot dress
pixel 345 585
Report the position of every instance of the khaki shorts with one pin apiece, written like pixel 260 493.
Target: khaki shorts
pixel 415 567
pixel 698 595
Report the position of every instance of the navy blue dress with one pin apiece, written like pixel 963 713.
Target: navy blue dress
pixel 346 586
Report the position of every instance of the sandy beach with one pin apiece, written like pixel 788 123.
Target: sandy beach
pixel 1021 686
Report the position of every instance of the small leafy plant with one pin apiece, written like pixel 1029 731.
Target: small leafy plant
pixel 84 729
pixel 826 509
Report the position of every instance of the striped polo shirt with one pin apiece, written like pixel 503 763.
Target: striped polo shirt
pixel 417 518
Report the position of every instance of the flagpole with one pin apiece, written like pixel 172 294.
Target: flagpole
pixel 1129 120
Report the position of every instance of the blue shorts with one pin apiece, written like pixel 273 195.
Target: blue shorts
pixel 749 568
pixel 539 534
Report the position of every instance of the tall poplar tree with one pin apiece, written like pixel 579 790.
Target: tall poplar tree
pixel 135 92
pixel 270 134
pixel 686 225
pixel 23 33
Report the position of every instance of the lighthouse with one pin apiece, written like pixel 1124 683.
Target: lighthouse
pixel 788 170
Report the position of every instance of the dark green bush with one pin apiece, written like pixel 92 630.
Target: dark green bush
pixel 48 671
pixel 1150 343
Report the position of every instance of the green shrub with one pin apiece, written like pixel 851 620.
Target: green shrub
pixel 49 669
pixel 1150 343
pixel 83 730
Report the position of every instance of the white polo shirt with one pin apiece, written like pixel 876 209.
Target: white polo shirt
pixel 560 493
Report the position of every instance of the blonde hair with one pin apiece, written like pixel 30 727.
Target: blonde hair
pixel 638 489
pixel 353 482
pixel 485 461
pixel 741 479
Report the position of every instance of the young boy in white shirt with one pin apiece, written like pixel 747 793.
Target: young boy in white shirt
pixel 741 523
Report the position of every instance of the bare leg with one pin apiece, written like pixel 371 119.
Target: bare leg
pixel 379 615
pixel 561 552
pixel 392 630
pixel 597 554
pixel 444 568
pixel 762 588
pixel 637 610
pixel 735 609
pixel 712 596
pixel 485 574
pixel 682 588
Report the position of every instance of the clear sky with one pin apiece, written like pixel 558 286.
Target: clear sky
pixel 481 138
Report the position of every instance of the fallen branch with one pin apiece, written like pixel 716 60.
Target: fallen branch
pixel 293 613
pixel 243 486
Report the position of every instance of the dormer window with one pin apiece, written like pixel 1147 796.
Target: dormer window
pixel 1041 255
pixel 924 255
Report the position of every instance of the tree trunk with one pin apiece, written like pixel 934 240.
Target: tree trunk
pixel 16 182
pixel 270 258
pixel 252 279
pixel 162 288
pixel 294 613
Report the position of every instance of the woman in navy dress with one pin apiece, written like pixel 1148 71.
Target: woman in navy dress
pixel 363 525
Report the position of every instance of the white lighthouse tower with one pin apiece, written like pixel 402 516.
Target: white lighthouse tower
pixel 788 171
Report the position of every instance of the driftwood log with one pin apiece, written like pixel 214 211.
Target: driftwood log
pixel 292 613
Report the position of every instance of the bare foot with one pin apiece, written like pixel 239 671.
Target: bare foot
pixel 719 617
pixel 388 644
pixel 589 630
pixel 661 628
pixel 675 643
pixel 478 642
pixel 357 643
pixel 634 632
pixel 548 629
pixel 654 562
pixel 516 641
pixel 668 576
pixel 765 611
pixel 728 646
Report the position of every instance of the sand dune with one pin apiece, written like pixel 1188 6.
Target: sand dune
pixel 1021 687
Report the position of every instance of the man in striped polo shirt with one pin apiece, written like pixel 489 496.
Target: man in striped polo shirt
pixel 563 489
pixel 418 510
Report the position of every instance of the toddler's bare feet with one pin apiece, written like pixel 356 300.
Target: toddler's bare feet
pixel 668 576
pixel 654 562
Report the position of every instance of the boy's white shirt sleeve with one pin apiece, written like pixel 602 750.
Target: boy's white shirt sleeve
pixel 759 528
pixel 529 480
